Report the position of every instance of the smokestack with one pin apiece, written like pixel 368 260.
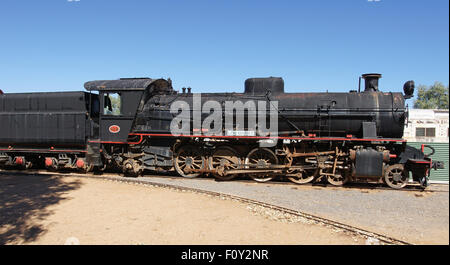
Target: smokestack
pixel 371 82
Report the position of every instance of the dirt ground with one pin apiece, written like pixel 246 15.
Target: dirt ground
pixel 51 210
pixel 412 215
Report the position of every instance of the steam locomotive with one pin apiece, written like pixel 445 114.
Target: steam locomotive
pixel 128 125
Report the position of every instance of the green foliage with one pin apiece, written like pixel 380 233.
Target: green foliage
pixel 433 97
pixel 112 104
pixel 116 104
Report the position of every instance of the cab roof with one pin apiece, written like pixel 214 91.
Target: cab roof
pixel 126 84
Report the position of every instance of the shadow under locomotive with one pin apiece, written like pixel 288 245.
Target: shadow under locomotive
pixel 24 203
pixel 361 185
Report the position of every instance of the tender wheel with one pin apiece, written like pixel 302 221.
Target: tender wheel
pixel 224 158
pixel 86 169
pixel 90 168
pixel 396 177
pixel 261 158
pixel 303 176
pixel 338 179
pixel 51 164
pixel 82 166
pixel 189 157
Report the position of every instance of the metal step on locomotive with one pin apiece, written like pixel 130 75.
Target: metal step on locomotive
pixel 127 124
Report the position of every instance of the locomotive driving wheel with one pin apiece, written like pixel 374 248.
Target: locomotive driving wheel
pixel 261 158
pixel 224 158
pixel 302 176
pixel 395 176
pixel 189 158
pixel 339 178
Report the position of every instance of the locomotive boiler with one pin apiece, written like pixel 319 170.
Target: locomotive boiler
pixel 128 124
pixel 367 114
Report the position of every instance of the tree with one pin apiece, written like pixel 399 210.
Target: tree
pixel 433 97
pixel 115 104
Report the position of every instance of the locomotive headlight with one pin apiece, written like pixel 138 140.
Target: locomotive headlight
pixel 408 88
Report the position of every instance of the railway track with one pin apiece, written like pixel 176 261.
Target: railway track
pixel 317 219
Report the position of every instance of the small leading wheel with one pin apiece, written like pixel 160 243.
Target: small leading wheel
pixel 396 177
pixel 224 158
pixel 261 158
pixel 187 158
pixel 302 176
pixel 338 179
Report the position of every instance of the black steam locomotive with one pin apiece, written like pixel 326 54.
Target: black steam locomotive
pixel 128 124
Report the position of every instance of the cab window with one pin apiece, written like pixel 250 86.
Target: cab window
pixel 113 104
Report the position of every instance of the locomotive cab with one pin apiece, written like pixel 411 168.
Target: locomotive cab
pixel 119 102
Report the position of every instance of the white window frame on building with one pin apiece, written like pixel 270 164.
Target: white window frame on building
pixel 427 132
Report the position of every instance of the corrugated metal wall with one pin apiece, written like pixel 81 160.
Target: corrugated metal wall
pixel 441 154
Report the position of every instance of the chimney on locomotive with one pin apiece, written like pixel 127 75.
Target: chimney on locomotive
pixel 371 82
